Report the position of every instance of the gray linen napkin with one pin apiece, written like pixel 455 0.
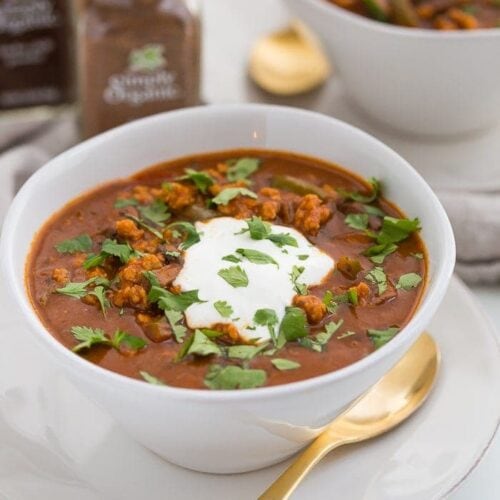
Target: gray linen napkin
pixel 475 216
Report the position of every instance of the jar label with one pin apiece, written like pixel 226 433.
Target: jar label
pixel 147 79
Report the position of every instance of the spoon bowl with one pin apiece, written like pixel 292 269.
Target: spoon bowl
pixel 389 402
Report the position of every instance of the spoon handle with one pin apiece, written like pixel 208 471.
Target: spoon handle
pixel 285 485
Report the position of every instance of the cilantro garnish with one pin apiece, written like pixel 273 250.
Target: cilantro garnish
pixel 223 308
pixel 285 364
pixel 378 253
pixel 89 337
pixel 201 180
pixel 260 230
pixel 228 194
pixel 200 345
pixel 256 257
pixel 174 318
pixel 242 169
pixel 409 281
pixel 357 221
pixel 191 235
pixel 395 230
pixel 150 379
pixel 156 212
pixel 78 290
pixel 245 352
pixel 126 202
pixel 293 326
pixel 300 288
pixel 267 317
pixel 233 377
pixel 145 226
pixel 378 277
pixel 381 337
pixel 354 196
pixel 319 342
pixel 82 243
pixel 173 302
pixel 235 276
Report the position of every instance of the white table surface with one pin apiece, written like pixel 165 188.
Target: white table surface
pixel 230 27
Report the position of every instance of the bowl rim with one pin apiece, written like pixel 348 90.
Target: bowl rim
pixel 371 24
pixel 428 306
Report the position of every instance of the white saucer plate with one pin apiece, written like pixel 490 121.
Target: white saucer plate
pixel 55 444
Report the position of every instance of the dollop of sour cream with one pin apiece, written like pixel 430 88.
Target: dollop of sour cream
pixel 270 286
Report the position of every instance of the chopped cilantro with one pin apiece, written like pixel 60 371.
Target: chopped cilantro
pixel 357 221
pixel 381 337
pixel 235 276
pixel 223 308
pixel 228 194
pixel 82 243
pixel 245 352
pixel 295 274
pixel 355 196
pixel 242 169
pixel 285 364
pixel 168 301
pixel 409 281
pixel 378 253
pixel 89 337
pixel 174 318
pixel 191 235
pixel 201 180
pixel 126 202
pixel 267 317
pixel 233 377
pixel 293 326
pixel 150 379
pixel 256 257
pixel 156 212
pixel 395 230
pixel 379 278
pixel 260 230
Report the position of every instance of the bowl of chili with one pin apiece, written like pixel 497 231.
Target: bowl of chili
pixel 128 280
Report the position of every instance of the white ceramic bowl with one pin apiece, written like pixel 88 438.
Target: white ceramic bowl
pixel 415 80
pixel 229 431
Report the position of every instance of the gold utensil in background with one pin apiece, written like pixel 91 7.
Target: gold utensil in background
pixel 288 62
pixel 388 403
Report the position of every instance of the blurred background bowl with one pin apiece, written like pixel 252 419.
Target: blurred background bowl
pixel 425 82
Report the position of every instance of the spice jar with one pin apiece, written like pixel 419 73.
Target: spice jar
pixel 35 65
pixel 136 58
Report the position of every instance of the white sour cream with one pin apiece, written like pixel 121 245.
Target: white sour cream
pixel 269 286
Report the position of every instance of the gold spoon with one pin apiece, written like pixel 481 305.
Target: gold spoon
pixel 288 62
pixel 388 403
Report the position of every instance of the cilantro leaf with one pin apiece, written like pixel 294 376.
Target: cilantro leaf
pixel 300 288
pixel 233 377
pixel 259 230
pixel 293 325
pixel 201 345
pixel 88 337
pixel 191 235
pixel 201 180
pixel 121 250
pixel 121 338
pixel 357 221
pixel 256 257
pixel 174 318
pixel 99 293
pixel 378 277
pixel 285 364
pixel 395 230
pixel 126 202
pixel 330 303
pixel 346 334
pixel 378 253
pixel 371 210
pixel 82 243
pixel 145 226
pixel 223 308
pixel 235 276
pixel 267 317
pixel 150 379
pixel 303 257
pixel 242 169
pixel 152 278
pixel 232 258
pixel 319 342
pixel 283 239
pixel 381 337
pixel 173 302
pixel 78 290
pixel 245 352
pixel 228 194
pixel 355 196
pixel 156 212
pixel 409 281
